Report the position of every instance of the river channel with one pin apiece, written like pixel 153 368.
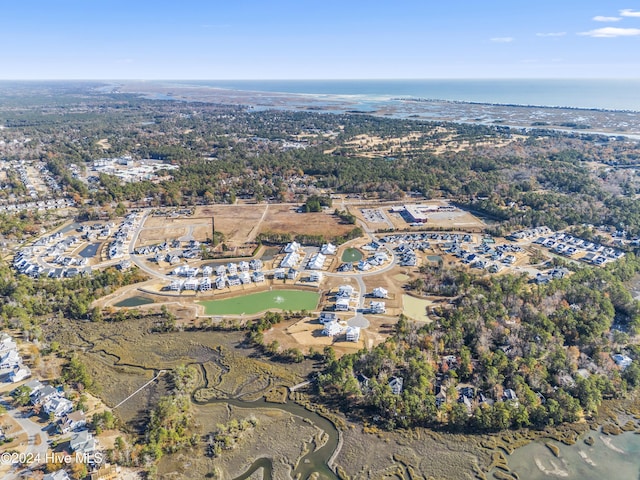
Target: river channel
pixel 314 462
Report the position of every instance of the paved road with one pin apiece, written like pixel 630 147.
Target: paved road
pixel 135 259
pixel 32 430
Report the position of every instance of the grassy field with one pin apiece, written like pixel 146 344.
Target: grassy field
pixel 259 302
pixel 415 308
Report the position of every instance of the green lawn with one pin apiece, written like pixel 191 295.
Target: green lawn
pixel 295 300
pixel 351 255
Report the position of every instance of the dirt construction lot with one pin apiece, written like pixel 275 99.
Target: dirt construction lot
pixel 286 219
pixel 306 334
pixel 240 224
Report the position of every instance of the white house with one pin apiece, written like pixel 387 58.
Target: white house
pixel 342 304
pixel 345 291
pixel 380 292
pixel 43 395
pixel 10 360
pixel 316 262
pixel 255 264
pixel 73 421
pixel 279 273
pixel 57 475
pixel 258 277
pixel 353 334
pixel 83 442
pixel 290 260
pixel 58 406
pixel 191 284
pixel 205 285
pixel 34 386
pixel 7 344
pixel 19 374
pixel 363 265
pixel 326 317
pixel 328 249
pixel 622 361
pixel 221 282
pixel 377 307
pixel 331 329
pixel 396 385
pixel 292 247
pixel 207 270
pixel 381 257
pixel 315 277
pixel 221 270
pixel 509 394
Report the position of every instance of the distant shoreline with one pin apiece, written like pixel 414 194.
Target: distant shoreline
pixel 515 105
pixel 587 121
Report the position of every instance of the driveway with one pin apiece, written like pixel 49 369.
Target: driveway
pixel 32 430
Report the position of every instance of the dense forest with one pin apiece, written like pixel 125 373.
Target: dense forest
pixel 505 353
pixel 28 301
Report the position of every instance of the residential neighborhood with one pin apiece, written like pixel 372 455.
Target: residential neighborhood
pixel 44 421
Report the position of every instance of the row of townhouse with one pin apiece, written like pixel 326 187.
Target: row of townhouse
pixel 117 247
pixel 568 245
pixel 206 283
pixel 285 273
pixel 51 204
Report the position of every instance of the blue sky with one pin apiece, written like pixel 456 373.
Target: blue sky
pixel 278 39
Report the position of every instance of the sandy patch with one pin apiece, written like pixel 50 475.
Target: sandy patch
pixel 416 308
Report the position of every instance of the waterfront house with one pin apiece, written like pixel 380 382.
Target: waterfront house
pixel 83 442
pixel 73 421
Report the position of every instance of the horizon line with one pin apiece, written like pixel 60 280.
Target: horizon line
pixel 307 79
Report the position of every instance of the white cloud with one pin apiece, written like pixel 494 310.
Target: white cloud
pixel 502 39
pixel 551 34
pixel 610 32
pixel 600 18
pixel 627 12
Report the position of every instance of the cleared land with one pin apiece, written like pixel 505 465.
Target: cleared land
pixel 416 308
pixel 306 334
pixel 286 219
pixel 241 224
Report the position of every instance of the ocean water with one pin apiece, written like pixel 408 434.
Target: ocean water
pixel 617 455
pixel 608 94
